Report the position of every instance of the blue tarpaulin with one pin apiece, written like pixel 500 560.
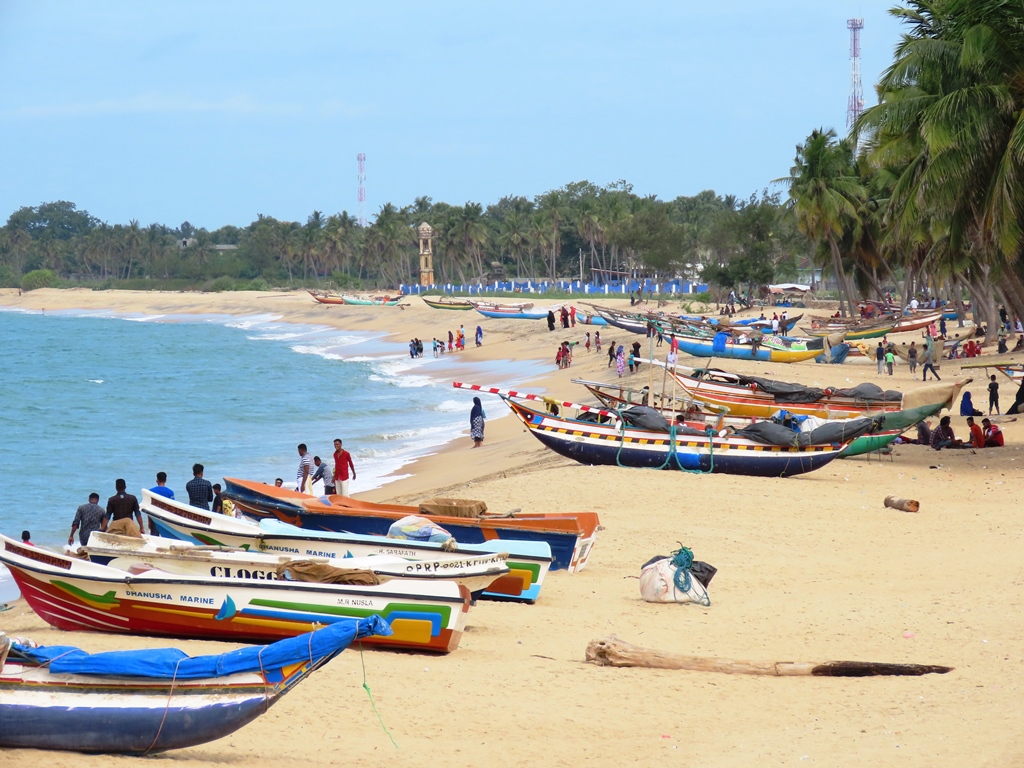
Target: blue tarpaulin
pixel 170 663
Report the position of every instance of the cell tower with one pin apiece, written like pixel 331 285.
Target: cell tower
pixel 856 105
pixel 361 195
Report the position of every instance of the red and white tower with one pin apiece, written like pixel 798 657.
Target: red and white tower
pixel 361 179
pixel 856 105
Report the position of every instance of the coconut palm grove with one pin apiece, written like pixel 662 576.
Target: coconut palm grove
pixel 924 195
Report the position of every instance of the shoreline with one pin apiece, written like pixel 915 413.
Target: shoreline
pixel 810 568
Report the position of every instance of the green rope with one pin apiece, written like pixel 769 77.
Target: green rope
pixel 366 687
pixel 682 559
pixel 672 452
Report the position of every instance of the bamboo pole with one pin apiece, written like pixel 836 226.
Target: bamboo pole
pixel 614 652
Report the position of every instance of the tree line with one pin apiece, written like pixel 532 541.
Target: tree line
pixel 928 189
pixel 607 232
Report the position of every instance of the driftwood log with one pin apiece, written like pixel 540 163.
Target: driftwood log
pixel 906 505
pixel 614 652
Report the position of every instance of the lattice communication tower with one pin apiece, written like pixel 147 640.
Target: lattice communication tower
pixel 361 194
pixel 856 105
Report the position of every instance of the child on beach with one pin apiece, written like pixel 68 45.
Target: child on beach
pixel 993 395
pixel 597 341
pixel 586 344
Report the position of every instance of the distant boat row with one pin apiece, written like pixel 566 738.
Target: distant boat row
pixel 324 297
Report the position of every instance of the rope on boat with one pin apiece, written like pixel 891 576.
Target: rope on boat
pixel 167 708
pixel 672 452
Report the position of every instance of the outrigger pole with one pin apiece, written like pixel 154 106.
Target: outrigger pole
pixel 539 398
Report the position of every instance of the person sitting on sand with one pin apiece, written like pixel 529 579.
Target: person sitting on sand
pixel 977 435
pixel 943 436
pixel 967 406
pixel 924 432
pixel 993 435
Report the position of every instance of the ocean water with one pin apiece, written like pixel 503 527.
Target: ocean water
pixel 88 397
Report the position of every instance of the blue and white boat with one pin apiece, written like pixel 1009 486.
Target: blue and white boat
pixel 144 701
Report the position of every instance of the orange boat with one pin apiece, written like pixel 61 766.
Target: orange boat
pixel 570 535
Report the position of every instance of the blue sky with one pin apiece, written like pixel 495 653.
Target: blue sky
pixel 215 112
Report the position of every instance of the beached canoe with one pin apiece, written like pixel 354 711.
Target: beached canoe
pixel 141 702
pixel 445 302
pixel 128 553
pixel 854 332
pixel 528 561
pixel 680 408
pixel 361 301
pixel 760 397
pixel 617 443
pixel 570 535
pixel 774 349
pixel 73 594
pixel 322 297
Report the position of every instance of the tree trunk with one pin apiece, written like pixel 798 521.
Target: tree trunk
pixel 840 273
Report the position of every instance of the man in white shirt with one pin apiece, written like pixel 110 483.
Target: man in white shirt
pixel 305 468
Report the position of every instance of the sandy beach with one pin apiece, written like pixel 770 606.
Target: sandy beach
pixel 811 568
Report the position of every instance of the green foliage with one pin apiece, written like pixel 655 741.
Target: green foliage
pixel 258 284
pixel 38 278
pixel 7 277
pixel 223 283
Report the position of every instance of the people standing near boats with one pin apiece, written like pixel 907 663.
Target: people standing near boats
pixel 551 319
pixel 479 335
pixel 325 474
pixel 305 470
pixel 620 360
pixel 597 342
pixel 161 489
pixel 218 502
pixel 880 358
pixel 451 341
pixel 586 343
pixel 564 313
pixel 611 355
pixel 200 492
pixel 476 423
pixel 927 364
pixel 342 466
pixel 912 357
pixel 89 517
pixel 123 504
pixel 890 360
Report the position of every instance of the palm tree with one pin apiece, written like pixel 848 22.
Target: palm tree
pixel 554 206
pixel 825 193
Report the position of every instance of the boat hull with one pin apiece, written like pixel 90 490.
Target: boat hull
pixel 450 304
pixel 73 595
pixel 764 353
pixel 570 536
pixel 607 444
pixel 529 562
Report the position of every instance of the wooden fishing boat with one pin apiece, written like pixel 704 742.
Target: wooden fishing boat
pixel 570 535
pixel 916 321
pixel 142 702
pixel 774 349
pixel 71 594
pixel 323 297
pixel 618 444
pixel 681 409
pixel 446 302
pixel 138 555
pixel 521 311
pixel 854 332
pixel 365 301
pixel 589 318
pixel 756 396
pixel 528 561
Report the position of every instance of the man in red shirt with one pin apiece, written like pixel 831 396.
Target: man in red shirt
pixel 993 434
pixel 342 465
pixel 977 436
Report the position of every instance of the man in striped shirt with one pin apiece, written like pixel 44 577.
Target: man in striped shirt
pixel 305 469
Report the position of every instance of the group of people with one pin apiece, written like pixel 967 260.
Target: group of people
pixel 116 516
pixel 335 477
pixel 984 435
pixel 618 357
pixel 563 357
pixel 456 342
pixel 567 317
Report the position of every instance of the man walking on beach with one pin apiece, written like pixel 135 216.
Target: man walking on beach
pixel 342 465
pixel 123 504
pixel 305 469
pixel 88 518
pixel 926 365
pixel 200 492
pixel 161 489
